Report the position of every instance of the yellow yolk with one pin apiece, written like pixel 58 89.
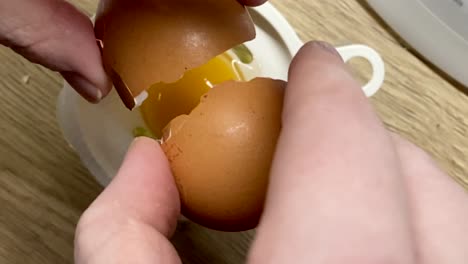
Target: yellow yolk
pixel 167 101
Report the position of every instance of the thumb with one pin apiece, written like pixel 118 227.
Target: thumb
pixel 130 222
pixel 56 35
pixel 335 186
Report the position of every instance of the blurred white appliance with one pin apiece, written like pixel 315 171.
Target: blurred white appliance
pixel 437 29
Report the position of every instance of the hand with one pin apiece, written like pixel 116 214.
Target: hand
pixel 343 189
pixel 56 35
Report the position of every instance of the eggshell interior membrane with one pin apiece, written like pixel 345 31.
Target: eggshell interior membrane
pixel 221 153
pixel 151 41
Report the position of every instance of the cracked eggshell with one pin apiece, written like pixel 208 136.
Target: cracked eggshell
pixel 221 153
pixel 150 41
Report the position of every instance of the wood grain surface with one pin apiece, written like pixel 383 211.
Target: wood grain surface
pixel 44 188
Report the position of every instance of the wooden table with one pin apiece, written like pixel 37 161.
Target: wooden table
pixel 44 188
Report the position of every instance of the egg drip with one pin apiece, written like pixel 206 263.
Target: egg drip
pixel 166 101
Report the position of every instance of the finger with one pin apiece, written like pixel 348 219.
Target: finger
pixel 336 194
pixel 130 222
pixel 252 2
pixel 55 34
pixel 439 208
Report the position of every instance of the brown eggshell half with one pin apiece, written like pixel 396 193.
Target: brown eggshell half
pixel 150 41
pixel 221 153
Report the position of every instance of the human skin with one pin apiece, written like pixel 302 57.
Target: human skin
pixel 55 34
pixel 342 188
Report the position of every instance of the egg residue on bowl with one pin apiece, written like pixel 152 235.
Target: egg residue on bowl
pixel 217 123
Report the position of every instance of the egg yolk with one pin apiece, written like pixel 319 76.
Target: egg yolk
pixel 167 101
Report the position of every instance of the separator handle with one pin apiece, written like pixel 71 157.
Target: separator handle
pixel 376 62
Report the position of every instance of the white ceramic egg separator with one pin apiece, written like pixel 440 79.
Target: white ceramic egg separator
pixel 291 40
pixel 101 134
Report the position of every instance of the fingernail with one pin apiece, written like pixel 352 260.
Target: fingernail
pixel 326 47
pixel 137 139
pixel 84 87
pixel 134 142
